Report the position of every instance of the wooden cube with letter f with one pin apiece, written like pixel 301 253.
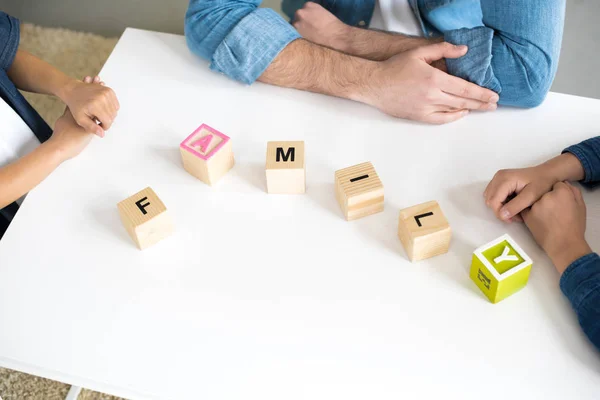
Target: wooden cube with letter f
pixel 145 217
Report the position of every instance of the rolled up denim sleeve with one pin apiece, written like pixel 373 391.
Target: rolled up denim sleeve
pixel 9 40
pixel 515 53
pixel 580 283
pixel 238 38
pixel 588 154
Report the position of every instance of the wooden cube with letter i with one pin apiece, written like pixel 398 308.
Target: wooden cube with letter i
pixel 500 268
pixel 359 191
pixel 145 217
pixel 207 154
pixel 285 168
pixel 424 231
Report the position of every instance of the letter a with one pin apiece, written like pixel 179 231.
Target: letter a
pixel 203 142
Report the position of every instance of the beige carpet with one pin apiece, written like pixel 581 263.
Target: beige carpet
pixel 77 54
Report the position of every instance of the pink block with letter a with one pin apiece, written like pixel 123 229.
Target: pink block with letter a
pixel 207 154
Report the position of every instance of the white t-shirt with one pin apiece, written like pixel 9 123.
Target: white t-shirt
pixel 395 16
pixel 16 138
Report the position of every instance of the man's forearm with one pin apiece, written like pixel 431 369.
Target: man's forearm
pixel 306 66
pixel 31 74
pixel 18 178
pixel 377 45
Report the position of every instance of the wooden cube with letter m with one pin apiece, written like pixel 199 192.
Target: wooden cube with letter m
pixel 285 168
pixel 500 268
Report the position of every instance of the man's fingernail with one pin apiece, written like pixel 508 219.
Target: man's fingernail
pixel 494 98
pixel 491 106
pixel 461 47
pixel 504 214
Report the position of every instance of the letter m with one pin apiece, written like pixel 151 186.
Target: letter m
pixel 291 153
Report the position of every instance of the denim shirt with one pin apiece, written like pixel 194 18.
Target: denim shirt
pixel 9 43
pixel 581 280
pixel 514 45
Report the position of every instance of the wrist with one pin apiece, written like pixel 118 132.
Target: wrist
pixel 364 89
pixel 569 252
pixel 54 151
pixel 341 40
pixel 65 88
pixel 565 167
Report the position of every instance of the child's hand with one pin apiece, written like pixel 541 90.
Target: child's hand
pixel 557 222
pixel 89 101
pixel 69 139
pixel 513 190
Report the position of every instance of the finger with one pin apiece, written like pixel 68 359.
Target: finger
pixel 461 88
pixel 105 118
pixel 115 101
pixel 439 118
pixel 576 193
pixel 461 103
pixel 526 215
pixel 87 79
pixel 524 199
pixel 517 218
pixel 96 79
pixel 435 52
pixel 90 126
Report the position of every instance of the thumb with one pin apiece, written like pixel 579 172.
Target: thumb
pixel 438 51
pixel 525 215
pixel 524 199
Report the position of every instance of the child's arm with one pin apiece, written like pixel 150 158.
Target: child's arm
pixel 87 101
pixel 588 154
pixel 18 178
pixel 557 222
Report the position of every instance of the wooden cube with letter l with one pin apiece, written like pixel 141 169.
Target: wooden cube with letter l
pixel 500 268
pixel 424 231
pixel 145 217
pixel 285 168
pixel 207 154
pixel 359 191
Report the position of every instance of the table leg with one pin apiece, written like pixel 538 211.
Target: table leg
pixel 73 393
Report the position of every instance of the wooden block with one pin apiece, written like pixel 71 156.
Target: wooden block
pixel 285 168
pixel 500 268
pixel 145 217
pixel 359 191
pixel 207 154
pixel 424 231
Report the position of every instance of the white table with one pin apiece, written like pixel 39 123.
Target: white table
pixel 261 296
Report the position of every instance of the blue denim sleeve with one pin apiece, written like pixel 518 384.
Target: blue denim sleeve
pixel 588 153
pixel 581 284
pixel 515 53
pixel 9 40
pixel 238 38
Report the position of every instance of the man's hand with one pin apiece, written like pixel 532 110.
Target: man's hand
pixel 69 139
pixel 557 222
pixel 318 25
pixel 407 86
pixel 513 190
pixel 89 101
